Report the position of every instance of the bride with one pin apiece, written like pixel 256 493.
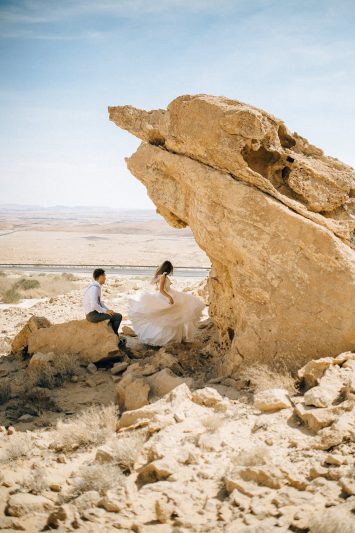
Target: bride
pixel 166 315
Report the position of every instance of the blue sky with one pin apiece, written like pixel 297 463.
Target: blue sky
pixel 63 62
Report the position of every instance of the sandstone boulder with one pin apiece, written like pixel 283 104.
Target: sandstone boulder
pixel 334 380
pixel 20 342
pixel 91 342
pixel 257 198
pixel 272 400
pixel 132 392
pixel 21 504
pixel 165 380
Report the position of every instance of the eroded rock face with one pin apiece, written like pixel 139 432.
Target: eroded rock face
pixel 273 213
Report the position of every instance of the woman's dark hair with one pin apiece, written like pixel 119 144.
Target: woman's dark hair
pixel 164 268
pixel 98 272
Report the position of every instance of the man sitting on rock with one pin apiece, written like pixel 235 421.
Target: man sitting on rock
pixel 94 308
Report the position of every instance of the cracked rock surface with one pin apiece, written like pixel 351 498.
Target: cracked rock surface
pixel 274 214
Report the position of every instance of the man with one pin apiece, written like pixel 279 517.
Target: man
pixel 94 308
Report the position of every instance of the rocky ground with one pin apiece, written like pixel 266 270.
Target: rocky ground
pixel 155 441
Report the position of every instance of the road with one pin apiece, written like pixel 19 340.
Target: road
pixel 125 270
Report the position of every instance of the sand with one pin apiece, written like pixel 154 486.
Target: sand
pixel 78 236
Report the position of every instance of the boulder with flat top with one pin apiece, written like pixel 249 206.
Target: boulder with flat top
pixel 90 342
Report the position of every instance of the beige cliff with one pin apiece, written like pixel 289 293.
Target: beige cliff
pixel 275 216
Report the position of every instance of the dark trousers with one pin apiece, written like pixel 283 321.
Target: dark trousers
pixel 115 320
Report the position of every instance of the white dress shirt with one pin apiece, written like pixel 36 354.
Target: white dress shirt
pixel 92 299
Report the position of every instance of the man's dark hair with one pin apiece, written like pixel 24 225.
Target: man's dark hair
pixel 98 272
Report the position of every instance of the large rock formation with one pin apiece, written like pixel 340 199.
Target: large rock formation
pixel 90 342
pixel 273 213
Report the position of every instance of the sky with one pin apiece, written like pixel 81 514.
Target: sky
pixel 63 62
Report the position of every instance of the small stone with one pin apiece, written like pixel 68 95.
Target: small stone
pixel 272 400
pixel 348 485
pixel 104 455
pixel 61 459
pixel 119 367
pixel 26 418
pixel 11 430
pixel 74 379
pixel 335 459
pixel 91 368
pixel 110 503
pixel 127 330
pixel 55 487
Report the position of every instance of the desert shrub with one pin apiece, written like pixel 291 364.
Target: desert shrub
pixel 125 450
pixel 68 276
pixel 52 374
pixel 11 296
pixel 19 445
pixel 91 427
pixel 36 482
pixel 40 398
pixel 98 477
pixel 26 284
pixel 254 456
pixel 212 422
pixel 5 391
pixel 261 377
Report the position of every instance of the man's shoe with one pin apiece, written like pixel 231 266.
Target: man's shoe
pixel 122 342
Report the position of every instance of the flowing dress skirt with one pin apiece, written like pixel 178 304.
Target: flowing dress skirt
pixel 157 322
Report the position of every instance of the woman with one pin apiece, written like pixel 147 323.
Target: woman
pixel 165 315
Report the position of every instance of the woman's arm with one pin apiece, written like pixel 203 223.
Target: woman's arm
pixel 162 289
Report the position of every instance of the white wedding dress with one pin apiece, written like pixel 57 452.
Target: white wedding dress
pixel 157 322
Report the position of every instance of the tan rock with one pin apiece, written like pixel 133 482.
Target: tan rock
pixel 127 330
pixel 318 418
pixel 91 342
pixel 104 454
pixel 20 342
pixel 268 277
pixel 266 475
pixel 272 400
pixel 342 429
pixel 207 396
pixel 165 380
pixel 312 371
pixel 110 503
pixel 21 504
pixel 331 384
pixel 348 485
pixel 119 367
pixel 132 392
pixel 156 471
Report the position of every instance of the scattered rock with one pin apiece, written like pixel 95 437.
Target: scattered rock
pixel 331 384
pixel 132 392
pixel 119 367
pixel 272 400
pixel 21 504
pixel 156 471
pixel 91 368
pixel 165 380
pixel 26 418
pixel 127 330
pixel 20 342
